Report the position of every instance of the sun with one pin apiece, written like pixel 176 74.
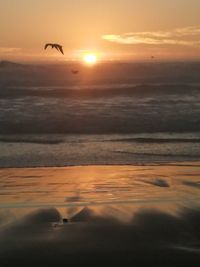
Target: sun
pixel 90 59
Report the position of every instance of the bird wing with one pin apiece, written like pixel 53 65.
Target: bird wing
pixel 46 45
pixel 61 49
pixel 57 47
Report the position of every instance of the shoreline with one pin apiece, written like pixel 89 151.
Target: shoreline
pixel 192 163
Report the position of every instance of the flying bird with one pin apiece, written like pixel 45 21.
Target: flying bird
pixel 75 71
pixel 57 46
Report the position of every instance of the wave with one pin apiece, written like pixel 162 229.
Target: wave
pixel 96 90
pixel 171 155
pixel 156 140
pixel 138 109
pixel 30 140
pixel 57 142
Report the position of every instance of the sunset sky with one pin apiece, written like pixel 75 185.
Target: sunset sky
pixel 115 29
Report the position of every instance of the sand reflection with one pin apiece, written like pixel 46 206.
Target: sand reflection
pixel 100 216
pixel 97 185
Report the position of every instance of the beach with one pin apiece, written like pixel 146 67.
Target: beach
pixel 100 215
pixel 99 133
pixel 100 168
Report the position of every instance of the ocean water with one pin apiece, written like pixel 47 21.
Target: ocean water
pixel 113 114
pixel 65 150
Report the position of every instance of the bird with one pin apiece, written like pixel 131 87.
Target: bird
pixel 75 71
pixel 57 46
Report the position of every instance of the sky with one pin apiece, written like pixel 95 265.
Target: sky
pixel 114 29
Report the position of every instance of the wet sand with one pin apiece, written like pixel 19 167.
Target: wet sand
pixel 100 216
pixel 95 185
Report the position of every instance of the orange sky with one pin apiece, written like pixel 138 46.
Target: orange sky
pixel 117 29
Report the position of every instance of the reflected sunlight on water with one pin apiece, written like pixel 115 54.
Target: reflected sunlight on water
pixel 96 185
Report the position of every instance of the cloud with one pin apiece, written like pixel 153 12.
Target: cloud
pixel 188 36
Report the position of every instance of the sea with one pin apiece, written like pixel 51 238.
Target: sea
pixel 112 113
